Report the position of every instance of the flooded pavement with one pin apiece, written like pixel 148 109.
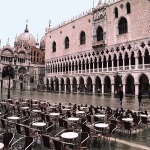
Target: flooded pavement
pixel 138 141
pixel 128 102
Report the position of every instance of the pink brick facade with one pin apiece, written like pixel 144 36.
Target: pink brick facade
pixel 93 66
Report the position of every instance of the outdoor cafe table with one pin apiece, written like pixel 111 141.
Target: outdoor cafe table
pixel 40 125
pixel 54 114
pixel 99 115
pixel 101 125
pixel 73 119
pixel 144 115
pixel 1 145
pixel 69 135
pixel 127 119
pixel 13 118
pixel 36 110
pixel 24 108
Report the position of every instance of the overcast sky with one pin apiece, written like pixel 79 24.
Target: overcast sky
pixel 14 13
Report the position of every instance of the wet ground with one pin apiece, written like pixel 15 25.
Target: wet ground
pixel 138 141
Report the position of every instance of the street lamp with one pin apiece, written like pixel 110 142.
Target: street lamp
pixel 9 77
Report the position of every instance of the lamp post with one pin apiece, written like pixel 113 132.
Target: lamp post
pixel 9 77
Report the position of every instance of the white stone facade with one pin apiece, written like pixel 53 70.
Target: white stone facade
pixel 102 50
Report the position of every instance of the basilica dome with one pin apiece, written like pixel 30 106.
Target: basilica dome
pixel 26 38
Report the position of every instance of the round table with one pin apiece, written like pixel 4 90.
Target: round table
pixel 54 114
pixel 69 135
pixel 24 108
pixel 80 112
pixel 66 109
pixel 37 110
pixel 73 119
pixel 99 115
pixel 127 119
pixel 144 115
pixel 39 124
pixel 1 145
pixel 13 118
pixel 101 125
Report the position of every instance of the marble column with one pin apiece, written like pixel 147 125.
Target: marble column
pixel 93 88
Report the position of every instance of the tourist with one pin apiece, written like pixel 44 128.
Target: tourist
pixel 149 94
pixel 120 93
pixel 140 98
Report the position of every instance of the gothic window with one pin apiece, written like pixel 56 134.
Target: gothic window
pixel 128 7
pixel 99 33
pixel 123 26
pixel 54 47
pixel 116 12
pixel 66 42
pixel 82 38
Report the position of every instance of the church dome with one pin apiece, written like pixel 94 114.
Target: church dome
pixel 26 38
pixel 42 43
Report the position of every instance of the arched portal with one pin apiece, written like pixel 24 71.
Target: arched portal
pixel 81 87
pixel 107 86
pixel 130 88
pixel 62 85
pixel 56 81
pixel 74 85
pixel 144 84
pixel 89 87
pixel 68 87
pixel 98 84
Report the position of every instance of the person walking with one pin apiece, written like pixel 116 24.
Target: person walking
pixel 120 93
pixel 140 98
pixel 149 94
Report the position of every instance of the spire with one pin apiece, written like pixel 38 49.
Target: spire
pixel 8 41
pixel 16 38
pixel 49 23
pixel 26 29
pixel 37 38
pixel 93 3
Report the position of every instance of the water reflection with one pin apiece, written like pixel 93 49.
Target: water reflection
pixel 128 102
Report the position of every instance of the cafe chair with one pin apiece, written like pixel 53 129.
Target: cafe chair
pixel 84 136
pixel 60 145
pixel 111 131
pixel 7 139
pixel 49 128
pixel 47 141
pixel 25 142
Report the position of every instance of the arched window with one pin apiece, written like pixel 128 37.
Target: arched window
pixel 82 38
pixel 99 33
pixel 123 26
pixel 116 12
pixel 128 7
pixel 54 46
pixel 66 42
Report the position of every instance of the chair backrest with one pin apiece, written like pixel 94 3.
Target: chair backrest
pixel 61 122
pixel 144 120
pixel 112 128
pixel 65 124
pixel 27 130
pixel 89 118
pixel 46 141
pixel 7 139
pixel 50 126
pixel 84 138
pixel 18 128
pixel 127 125
pixel 83 127
pixel 57 144
pixel 28 143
